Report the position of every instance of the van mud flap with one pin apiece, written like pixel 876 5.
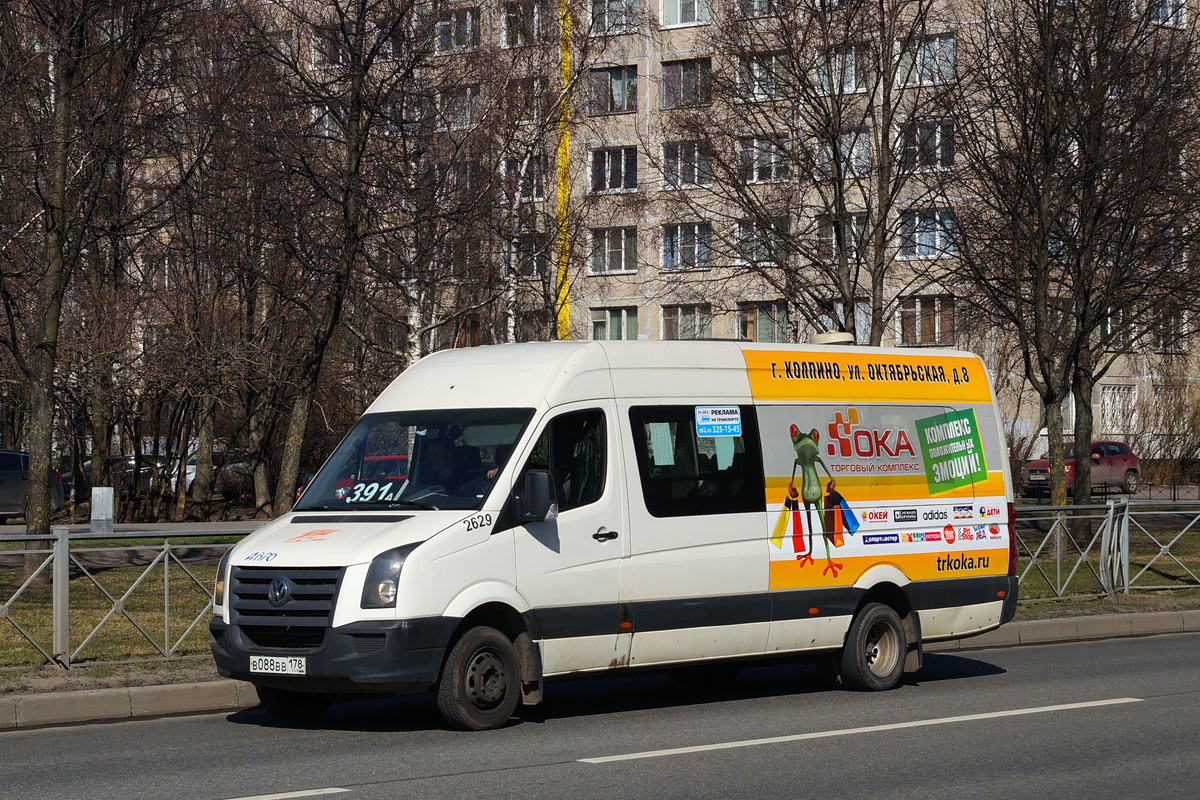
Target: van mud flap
pixel 915 657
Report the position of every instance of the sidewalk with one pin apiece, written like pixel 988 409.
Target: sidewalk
pixel 26 711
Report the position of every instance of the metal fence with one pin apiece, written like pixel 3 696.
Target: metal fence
pixel 1106 550
pixel 154 566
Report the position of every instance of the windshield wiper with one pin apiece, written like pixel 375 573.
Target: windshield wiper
pixel 412 504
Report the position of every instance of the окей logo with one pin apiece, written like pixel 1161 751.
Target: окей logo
pixel 846 439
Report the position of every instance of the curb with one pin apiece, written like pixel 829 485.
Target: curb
pixel 25 712
pixel 136 702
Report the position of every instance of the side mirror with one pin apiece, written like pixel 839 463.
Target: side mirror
pixel 1095 458
pixel 538 501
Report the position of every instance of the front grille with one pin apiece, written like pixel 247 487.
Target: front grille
pixel 300 622
pixel 285 637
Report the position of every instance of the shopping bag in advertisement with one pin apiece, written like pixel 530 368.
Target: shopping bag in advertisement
pixel 848 518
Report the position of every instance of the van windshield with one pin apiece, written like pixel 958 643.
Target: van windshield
pixel 442 459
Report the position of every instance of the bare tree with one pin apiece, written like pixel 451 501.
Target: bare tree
pixel 1070 185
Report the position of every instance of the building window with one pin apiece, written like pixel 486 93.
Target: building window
pixel 840 70
pixel 458 108
pixel 614 324
pixel 1169 330
pixel 613 90
pixel 762 243
pixel 685 12
pixel 1118 408
pixel 753 9
pixel 614 250
pixel 324 122
pixel 763 322
pixel 687 245
pixel 457 30
pixel 525 179
pixel 686 83
pixel 523 21
pixel 329 49
pixel 526 255
pixel 1167 12
pixel 686 163
pixel 614 17
pixel 927 320
pixel 762 76
pixel 527 96
pixel 927 144
pixel 763 159
pixel 927 233
pixel 687 322
pixel 614 169
pixel 927 60
pixel 853 156
pixel 1114 331
pixel 853 242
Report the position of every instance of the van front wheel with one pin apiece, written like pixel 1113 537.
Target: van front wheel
pixel 480 684
pixel 873 656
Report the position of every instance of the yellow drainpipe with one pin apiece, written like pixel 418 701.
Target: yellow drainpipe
pixel 562 164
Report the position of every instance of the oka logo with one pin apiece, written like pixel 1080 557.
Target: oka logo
pixel 846 439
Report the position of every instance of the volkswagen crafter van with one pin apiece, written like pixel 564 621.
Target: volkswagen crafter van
pixel 576 507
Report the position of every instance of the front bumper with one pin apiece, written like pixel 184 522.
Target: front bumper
pixel 404 656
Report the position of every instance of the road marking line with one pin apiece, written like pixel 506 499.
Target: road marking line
pixel 286 795
pixel 676 751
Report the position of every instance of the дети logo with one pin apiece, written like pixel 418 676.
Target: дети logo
pixel 989 511
pixel 904 515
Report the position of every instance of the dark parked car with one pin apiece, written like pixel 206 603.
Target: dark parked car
pixel 1113 466
pixel 14 485
pixel 122 470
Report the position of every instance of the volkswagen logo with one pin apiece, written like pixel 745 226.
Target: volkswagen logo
pixel 279 592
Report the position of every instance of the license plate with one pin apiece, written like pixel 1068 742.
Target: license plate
pixel 279 665
pixel 1037 477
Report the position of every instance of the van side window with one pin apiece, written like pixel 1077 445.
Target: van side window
pixel 574 448
pixel 688 475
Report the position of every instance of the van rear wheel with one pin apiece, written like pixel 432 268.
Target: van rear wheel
pixel 873 656
pixel 480 684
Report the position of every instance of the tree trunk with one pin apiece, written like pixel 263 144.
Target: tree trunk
pixel 1082 384
pixel 202 482
pixel 258 440
pixel 1054 434
pixel 285 489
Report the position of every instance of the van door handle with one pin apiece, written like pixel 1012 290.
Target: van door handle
pixel 604 535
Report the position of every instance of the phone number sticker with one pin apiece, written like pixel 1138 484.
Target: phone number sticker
pixel 714 421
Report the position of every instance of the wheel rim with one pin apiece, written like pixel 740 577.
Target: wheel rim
pixel 485 681
pixel 882 649
pixel 1131 481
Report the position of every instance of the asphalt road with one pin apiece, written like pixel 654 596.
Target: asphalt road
pixel 1111 719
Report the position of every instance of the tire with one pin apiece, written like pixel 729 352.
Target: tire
pixel 1131 484
pixel 292 707
pixel 481 681
pixel 3 520
pixel 873 656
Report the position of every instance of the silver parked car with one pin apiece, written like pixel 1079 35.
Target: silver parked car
pixel 14 485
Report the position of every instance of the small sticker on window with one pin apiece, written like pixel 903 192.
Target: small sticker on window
pixel 718 421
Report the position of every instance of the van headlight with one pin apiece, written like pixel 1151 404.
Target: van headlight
pixel 219 589
pixel 383 578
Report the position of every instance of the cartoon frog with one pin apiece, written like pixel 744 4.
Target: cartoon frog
pixel 807 458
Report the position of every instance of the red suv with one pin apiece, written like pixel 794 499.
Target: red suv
pixel 1113 465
